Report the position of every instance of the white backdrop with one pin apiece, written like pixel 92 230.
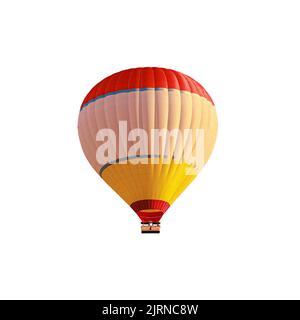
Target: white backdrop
pixel 234 233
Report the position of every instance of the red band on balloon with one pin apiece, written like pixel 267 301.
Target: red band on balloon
pixel 150 210
pixel 141 78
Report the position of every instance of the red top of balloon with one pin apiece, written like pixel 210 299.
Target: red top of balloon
pixel 149 77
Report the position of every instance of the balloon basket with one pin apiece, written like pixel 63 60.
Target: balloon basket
pixel 150 227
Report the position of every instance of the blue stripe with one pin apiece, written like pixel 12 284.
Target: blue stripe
pixel 119 91
pixel 129 157
pixel 143 156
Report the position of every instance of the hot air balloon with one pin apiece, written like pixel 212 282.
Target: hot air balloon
pixel 140 130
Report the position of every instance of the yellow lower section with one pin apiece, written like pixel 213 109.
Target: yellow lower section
pixel 135 182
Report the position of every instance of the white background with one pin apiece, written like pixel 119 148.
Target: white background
pixel 235 232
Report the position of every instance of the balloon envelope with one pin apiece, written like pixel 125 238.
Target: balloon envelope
pixel 148 170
